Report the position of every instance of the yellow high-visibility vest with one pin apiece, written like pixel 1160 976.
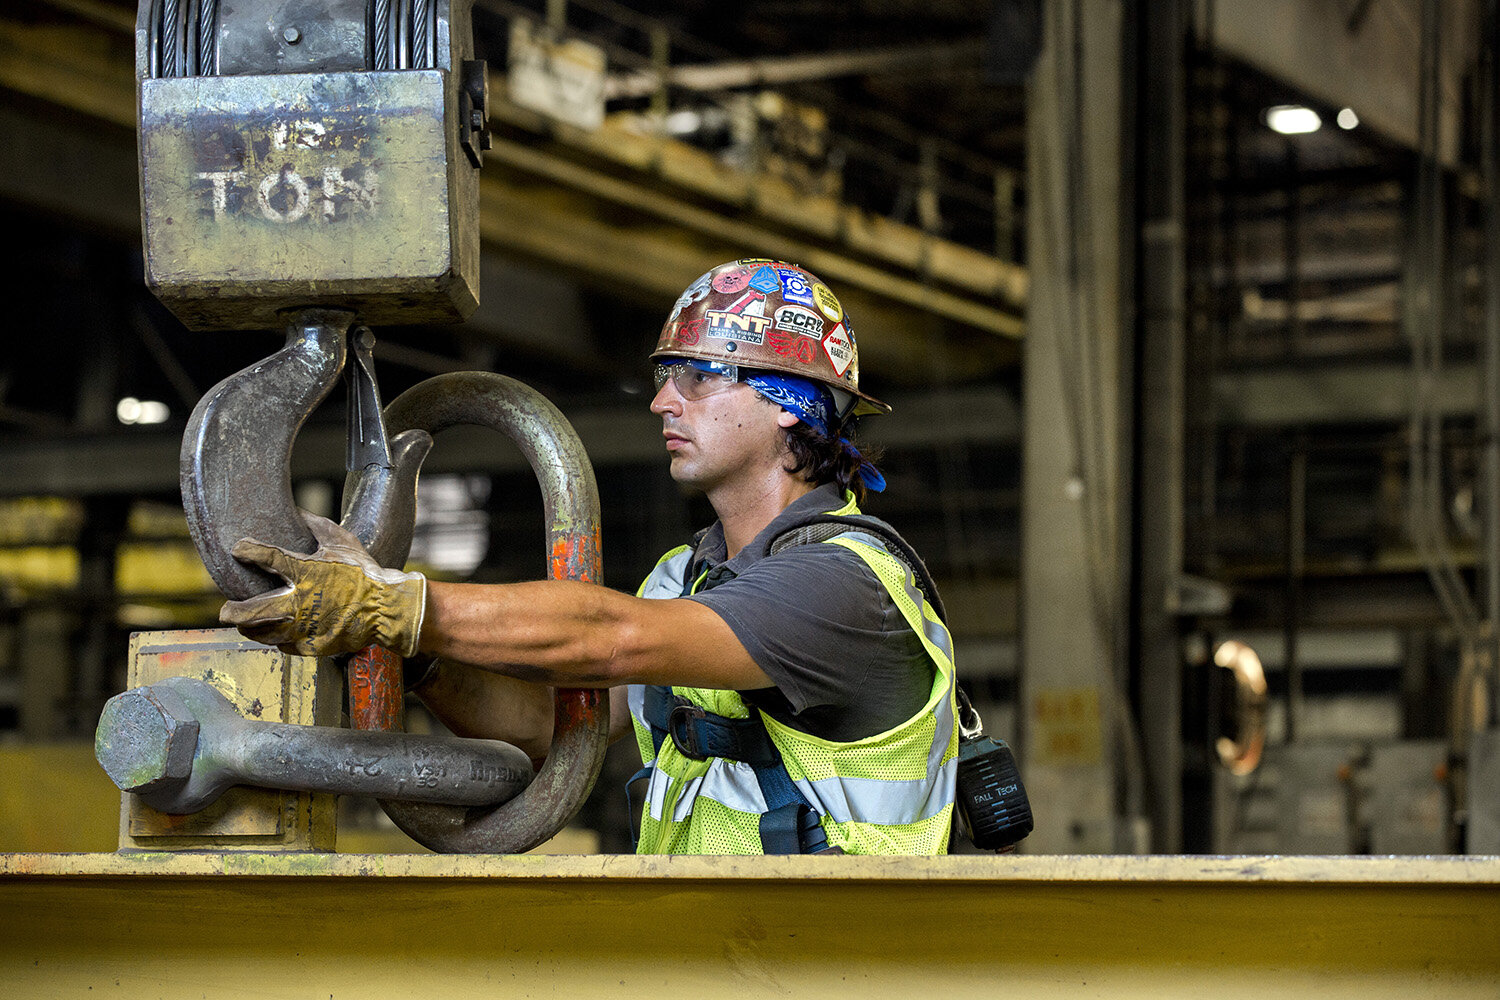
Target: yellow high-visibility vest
pixel 891 793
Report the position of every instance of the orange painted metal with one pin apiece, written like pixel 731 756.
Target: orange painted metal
pixel 375 689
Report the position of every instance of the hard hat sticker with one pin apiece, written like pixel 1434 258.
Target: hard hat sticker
pixel 795 287
pixel 828 303
pixel 790 345
pixel 737 326
pixel 694 292
pixel 800 320
pixel 839 348
pixel 735 279
pixel 765 281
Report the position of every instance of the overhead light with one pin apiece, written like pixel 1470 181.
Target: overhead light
pixel 685 122
pixel 1293 119
pixel 141 411
pixel 1347 119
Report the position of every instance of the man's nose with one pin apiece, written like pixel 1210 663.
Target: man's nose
pixel 667 400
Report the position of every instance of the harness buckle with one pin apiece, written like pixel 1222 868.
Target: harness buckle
pixel 680 726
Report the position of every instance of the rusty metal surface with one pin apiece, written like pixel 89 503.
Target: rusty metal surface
pixel 375 689
pixel 264 193
pixel 571 501
pixel 185 722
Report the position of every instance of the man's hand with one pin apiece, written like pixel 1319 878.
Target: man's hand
pixel 337 600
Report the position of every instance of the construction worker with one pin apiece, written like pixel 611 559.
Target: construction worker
pixel 787 676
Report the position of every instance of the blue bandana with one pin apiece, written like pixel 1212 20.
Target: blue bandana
pixel 812 404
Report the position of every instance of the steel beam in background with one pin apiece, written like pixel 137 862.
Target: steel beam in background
pixel 145 462
pixel 1129 927
pixel 1367 392
pixel 775 71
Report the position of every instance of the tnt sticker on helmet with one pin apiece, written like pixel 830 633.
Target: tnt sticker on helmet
pixel 737 326
pixel 828 303
pixel 839 348
pixel 799 320
pixel 734 279
pixel 795 287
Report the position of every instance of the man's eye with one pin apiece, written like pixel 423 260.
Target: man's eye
pixel 700 378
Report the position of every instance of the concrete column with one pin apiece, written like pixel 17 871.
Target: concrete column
pixel 1073 567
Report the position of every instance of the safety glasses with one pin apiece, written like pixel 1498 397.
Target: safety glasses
pixel 696 379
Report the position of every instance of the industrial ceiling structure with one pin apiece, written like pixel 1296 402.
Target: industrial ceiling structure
pixel 885 144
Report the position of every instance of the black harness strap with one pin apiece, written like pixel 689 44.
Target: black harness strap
pixel 790 824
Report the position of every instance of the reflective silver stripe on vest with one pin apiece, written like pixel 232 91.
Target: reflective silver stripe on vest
pixel 635 700
pixel 878 800
pixel 665 581
pixel 936 633
pixel 727 782
pixel 845 800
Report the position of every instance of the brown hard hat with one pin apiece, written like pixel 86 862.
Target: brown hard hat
pixel 772 316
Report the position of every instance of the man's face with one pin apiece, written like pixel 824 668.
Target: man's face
pixel 721 439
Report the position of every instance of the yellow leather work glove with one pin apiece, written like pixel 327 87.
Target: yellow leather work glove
pixel 337 600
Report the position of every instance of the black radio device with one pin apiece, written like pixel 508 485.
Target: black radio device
pixel 991 801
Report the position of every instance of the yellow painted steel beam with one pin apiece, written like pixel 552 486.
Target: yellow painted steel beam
pixel 618 926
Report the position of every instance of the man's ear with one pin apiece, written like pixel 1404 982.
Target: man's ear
pixel 786 419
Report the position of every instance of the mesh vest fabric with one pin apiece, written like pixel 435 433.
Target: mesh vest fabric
pixel 891 793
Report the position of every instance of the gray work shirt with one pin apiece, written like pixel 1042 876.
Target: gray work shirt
pixel 821 625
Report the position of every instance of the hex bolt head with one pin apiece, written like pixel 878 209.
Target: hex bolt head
pixel 146 739
pixel 292 35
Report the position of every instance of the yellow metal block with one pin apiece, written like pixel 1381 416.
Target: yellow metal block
pixel 262 683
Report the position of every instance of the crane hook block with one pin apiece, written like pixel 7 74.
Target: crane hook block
pixel 308 153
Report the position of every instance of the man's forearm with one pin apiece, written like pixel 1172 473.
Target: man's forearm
pixel 548 632
pixel 582 635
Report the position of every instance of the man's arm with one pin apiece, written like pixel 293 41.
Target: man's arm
pixel 572 634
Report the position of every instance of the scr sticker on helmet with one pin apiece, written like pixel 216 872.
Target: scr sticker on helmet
pixel 689 333
pixel 828 303
pixel 737 326
pixel 799 320
pixel 765 281
pixel 794 287
pixel 839 348
pixel 733 280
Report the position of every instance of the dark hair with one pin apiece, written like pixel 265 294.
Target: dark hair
pixel 822 460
